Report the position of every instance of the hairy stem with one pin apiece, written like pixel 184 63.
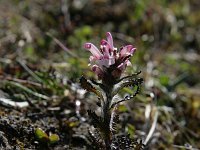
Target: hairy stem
pixel 107 117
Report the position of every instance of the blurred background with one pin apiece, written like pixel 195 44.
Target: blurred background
pixel 166 34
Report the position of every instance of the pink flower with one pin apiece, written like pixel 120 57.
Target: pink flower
pixel 107 61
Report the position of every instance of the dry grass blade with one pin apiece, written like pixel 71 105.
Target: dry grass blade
pixel 29 71
pixel 29 90
pixel 62 46
pixel 153 127
pixel 10 103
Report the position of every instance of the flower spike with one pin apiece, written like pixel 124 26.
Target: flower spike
pixel 106 62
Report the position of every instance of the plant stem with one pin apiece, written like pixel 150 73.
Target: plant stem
pixel 106 117
pixel 107 132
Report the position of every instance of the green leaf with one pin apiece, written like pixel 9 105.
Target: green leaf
pixel 41 135
pixel 53 138
pixel 164 80
pixel 131 130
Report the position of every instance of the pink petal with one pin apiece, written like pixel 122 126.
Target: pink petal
pixel 111 61
pixel 92 58
pixel 121 66
pixel 128 63
pixel 105 47
pixel 127 50
pixel 93 49
pixel 110 40
pixel 103 62
pixel 106 62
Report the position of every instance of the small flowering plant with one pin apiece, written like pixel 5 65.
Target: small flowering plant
pixel 108 63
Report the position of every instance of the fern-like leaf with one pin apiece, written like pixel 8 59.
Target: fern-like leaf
pixel 97 121
pixel 95 139
pixel 89 87
pixel 131 83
